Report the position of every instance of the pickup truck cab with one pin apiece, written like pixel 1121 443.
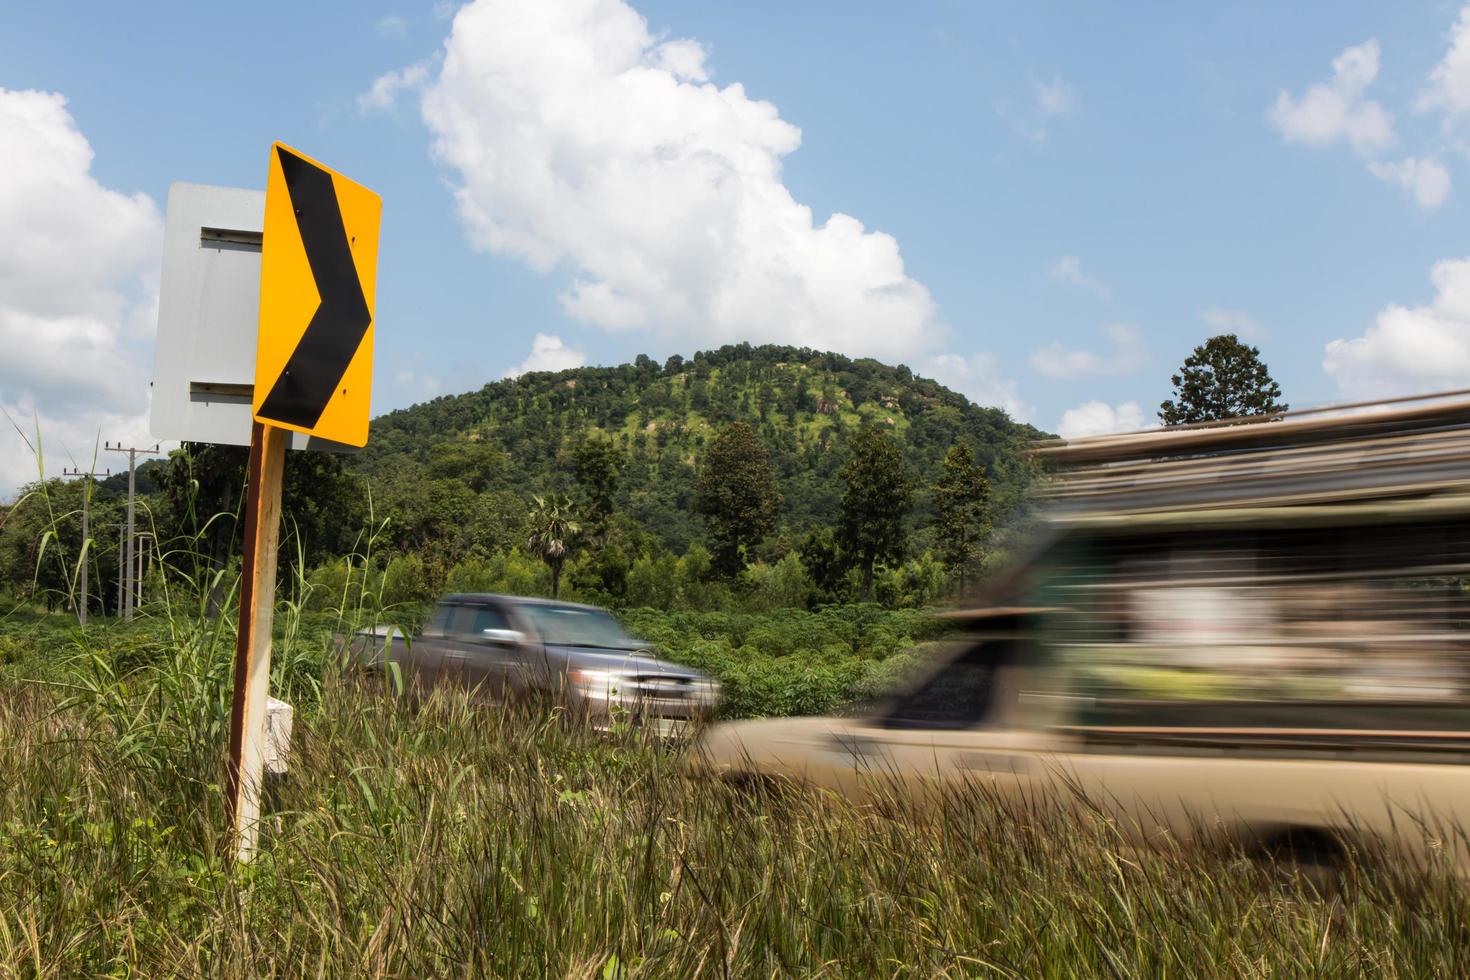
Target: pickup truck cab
pixel 503 647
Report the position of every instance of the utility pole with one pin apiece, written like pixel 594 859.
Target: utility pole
pixel 86 556
pixel 132 452
pixel 121 530
pixel 147 553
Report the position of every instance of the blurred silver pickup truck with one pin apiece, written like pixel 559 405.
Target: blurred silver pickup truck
pixel 510 647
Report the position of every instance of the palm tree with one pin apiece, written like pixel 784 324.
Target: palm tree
pixel 552 530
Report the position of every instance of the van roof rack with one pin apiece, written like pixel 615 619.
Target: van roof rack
pixel 1324 423
pixel 1401 447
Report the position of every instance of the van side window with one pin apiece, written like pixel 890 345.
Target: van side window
pixel 1354 627
pixel 959 695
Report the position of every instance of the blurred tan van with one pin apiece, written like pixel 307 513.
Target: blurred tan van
pixel 1261 629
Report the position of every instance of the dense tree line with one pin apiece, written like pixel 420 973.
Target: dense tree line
pixel 805 407
pixel 755 475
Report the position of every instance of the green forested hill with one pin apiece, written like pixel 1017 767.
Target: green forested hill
pixel 443 492
pixel 516 436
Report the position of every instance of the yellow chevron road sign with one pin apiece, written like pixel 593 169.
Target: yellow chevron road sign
pixel 318 272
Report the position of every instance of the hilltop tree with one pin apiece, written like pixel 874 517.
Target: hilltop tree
pixel 961 503
pixel 1222 379
pixel 596 466
pixel 552 531
pixel 870 523
pixel 737 495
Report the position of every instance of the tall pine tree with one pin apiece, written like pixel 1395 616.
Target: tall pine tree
pixel 961 511
pixel 737 495
pixel 870 524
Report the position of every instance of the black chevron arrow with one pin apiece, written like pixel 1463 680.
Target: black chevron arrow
pixel 300 394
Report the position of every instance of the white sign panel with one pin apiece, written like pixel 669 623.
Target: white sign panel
pixel 208 317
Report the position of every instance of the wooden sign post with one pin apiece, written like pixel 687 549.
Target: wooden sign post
pixel 246 767
pixel 313 374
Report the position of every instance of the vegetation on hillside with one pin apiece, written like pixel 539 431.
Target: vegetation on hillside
pixel 735 479
pixel 806 407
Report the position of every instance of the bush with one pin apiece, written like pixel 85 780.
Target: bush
pixel 406 581
pixel 784 585
pixel 791 661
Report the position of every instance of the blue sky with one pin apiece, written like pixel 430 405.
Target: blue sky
pixel 1066 198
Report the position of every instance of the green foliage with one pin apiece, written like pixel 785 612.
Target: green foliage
pixel 596 466
pixel 805 406
pixel 916 584
pixel 473 463
pixel 737 495
pixel 870 524
pixel 661 581
pixel 1222 379
pixel 961 521
pixel 445 484
pixel 827 566
pixel 323 503
pixel 407 582
pixel 784 585
pixel 653 582
pixel 790 661
pixel 511 573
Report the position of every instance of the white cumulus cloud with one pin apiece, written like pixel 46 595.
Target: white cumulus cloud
pixel 386 89
pixel 1425 178
pixel 548 353
pixel 1410 349
pixel 581 143
pixel 1099 419
pixel 1068 269
pixel 980 378
pixel 78 279
pixel 1449 82
pixel 1335 110
pixel 1127 354
pixel 1056 97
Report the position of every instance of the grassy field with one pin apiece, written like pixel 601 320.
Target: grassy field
pixel 449 841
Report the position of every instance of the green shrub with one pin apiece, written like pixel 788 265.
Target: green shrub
pixel 784 585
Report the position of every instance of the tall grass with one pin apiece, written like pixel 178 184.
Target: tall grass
pixel 448 840
pixel 451 840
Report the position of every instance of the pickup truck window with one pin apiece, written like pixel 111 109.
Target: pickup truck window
pixel 438 624
pixel 575 626
pixel 471 621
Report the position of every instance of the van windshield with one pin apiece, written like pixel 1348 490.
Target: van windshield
pixel 578 627
pixel 960 695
